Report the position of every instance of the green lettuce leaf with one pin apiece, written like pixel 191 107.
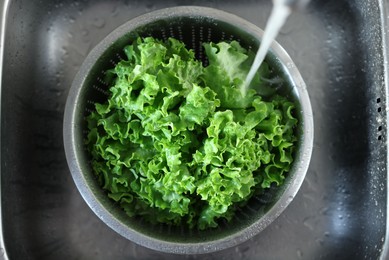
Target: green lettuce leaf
pixel 177 143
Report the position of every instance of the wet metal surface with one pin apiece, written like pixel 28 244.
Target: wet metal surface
pixel 340 211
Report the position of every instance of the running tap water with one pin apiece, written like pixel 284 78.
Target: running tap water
pixel 280 12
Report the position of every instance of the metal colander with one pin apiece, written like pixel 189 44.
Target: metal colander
pixel 193 26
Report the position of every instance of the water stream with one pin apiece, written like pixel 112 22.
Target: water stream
pixel 280 12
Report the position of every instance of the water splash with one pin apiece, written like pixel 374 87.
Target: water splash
pixel 280 12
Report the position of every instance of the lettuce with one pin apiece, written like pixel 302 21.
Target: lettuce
pixel 177 143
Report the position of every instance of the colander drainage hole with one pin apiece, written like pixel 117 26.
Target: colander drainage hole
pixel 164 34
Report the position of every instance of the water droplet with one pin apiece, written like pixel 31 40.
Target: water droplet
pixel 308 223
pixel 324 211
pixel 84 32
pixel 71 19
pixel 319 241
pixel 98 22
pixel 299 253
pixel 149 6
pixel 290 65
pixel 115 11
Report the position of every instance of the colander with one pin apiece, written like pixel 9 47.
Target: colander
pixel 192 25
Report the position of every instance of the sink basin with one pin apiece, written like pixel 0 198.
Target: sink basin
pixel 339 46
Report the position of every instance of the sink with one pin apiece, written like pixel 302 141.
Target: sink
pixel 340 212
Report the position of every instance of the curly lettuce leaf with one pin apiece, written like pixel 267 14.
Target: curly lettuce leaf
pixel 229 64
pixel 177 143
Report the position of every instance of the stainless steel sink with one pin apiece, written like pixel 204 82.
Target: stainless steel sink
pixel 341 50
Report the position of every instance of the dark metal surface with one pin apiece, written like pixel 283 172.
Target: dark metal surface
pixel 340 211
